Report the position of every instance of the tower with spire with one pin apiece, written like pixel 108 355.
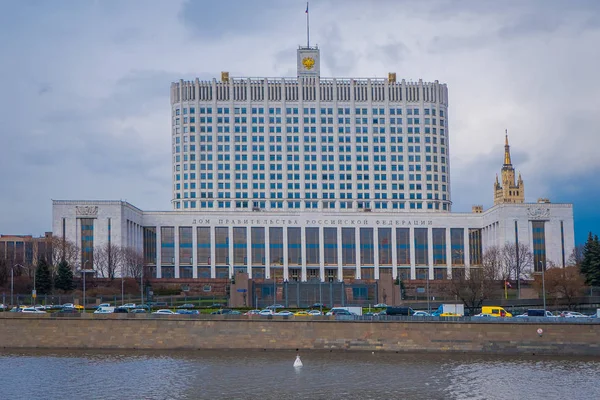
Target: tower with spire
pixel 507 190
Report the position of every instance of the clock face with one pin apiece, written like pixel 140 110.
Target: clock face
pixel 308 62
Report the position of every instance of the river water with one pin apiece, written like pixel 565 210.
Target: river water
pixel 268 375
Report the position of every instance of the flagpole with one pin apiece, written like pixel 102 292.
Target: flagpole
pixel 307 27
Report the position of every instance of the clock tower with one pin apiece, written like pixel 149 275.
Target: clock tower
pixel 309 64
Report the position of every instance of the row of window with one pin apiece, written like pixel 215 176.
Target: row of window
pixel 308 110
pixel 309 204
pixel 306 120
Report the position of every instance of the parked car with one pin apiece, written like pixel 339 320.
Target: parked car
pixel 573 314
pixel 319 305
pixel 234 312
pixel 222 311
pixel 187 305
pixel 3 307
pixel 121 310
pixel 483 315
pixel 187 311
pixel 275 306
pixel 252 312
pixel 380 305
pixel 128 305
pixel 315 313
pixel 421 314
pixel 101 305
pixel 339 311
pixel 284 313
pixel 407 311
pixel 74 306
pixel 301 314
pixel 32 310
pixel 265 312
pixel 164 312
pixel 139 311
pixel 68 310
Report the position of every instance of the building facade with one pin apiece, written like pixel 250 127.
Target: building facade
pixel 312 178
pixel 310 143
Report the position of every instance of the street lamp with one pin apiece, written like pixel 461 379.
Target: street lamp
pixel 12 281
pixel 142 286
pixel 543 284
pixel 84 271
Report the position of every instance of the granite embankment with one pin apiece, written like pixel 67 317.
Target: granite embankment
pixel 122 331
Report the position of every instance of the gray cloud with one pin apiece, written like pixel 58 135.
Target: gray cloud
pixel 85 106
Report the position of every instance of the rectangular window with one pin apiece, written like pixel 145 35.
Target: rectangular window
pixel 185 245
pixel 258 247
pixel 403 246
pixel 439 246
pixel 240 246
pixel 150 245
pixel 312 246
pixel 203 246
pixel 457 246
pixel 366 246
pixel 87 243
pixel 276 245
pixel 294 246
pixel 475 246
pixel 330 245
pixel 222 245
pixel 421 250
pixel 385 247
pixel 167 245
pixel 539 245
pixel 348 246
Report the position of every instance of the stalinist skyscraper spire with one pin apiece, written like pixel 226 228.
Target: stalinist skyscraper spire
pixel 507 191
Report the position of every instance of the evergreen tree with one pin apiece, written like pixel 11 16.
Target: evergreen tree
pixel 590 265
pixel 43 280
pixel 64 277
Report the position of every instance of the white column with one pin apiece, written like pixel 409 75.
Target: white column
pixel 413 272
pixel 467 252
pixel 430 252
pixel 213 252
pixel 303 252
pixel 285 254
pixel 339 248
pixel 394 248
pixel 448 252
pixel 321 253
pixel 176 245
pixel 357 243
pixel 376 251
pixel 267 254
pixel 230 249
pixel 195 252
pixel 249 251
pixel 158 252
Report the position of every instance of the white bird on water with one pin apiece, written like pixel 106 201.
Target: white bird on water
pixel 297 362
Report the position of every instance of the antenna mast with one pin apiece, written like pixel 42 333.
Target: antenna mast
pixel 307 27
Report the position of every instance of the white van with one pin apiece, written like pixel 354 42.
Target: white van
pixel 104 310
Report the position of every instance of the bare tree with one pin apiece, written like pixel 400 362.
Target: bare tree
pixel 517 260
pixel 64 250
pixel 132 262
pixel 481 282
pixel 562 283
pixel 107 260
pixel 576 256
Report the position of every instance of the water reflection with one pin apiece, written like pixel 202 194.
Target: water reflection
pixel 271 375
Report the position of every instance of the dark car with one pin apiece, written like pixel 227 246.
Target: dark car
pixel 223 311
pixel 339 311
pixel 121 310
pixel 187 311
pixel 407 311
pixel 68 311
pixel 535 312
pixel 319 305
pixel 186 305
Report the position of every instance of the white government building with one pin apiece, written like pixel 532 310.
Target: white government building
pixel 315 178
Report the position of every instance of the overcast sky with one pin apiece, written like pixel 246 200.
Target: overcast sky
pixel 84 88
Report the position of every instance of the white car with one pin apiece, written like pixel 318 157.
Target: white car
pixel 284 313
pixel 68 305
pixel 3 307
pixel 130 305
pixel 573 314
pixel 165 312
pixel 32 310
pixel 315 312
pixel 265 312
pixel 252 312
pixel 421 314
pixel 104 310
pixel 380 305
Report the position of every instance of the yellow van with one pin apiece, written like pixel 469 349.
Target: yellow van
pixel 495 311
